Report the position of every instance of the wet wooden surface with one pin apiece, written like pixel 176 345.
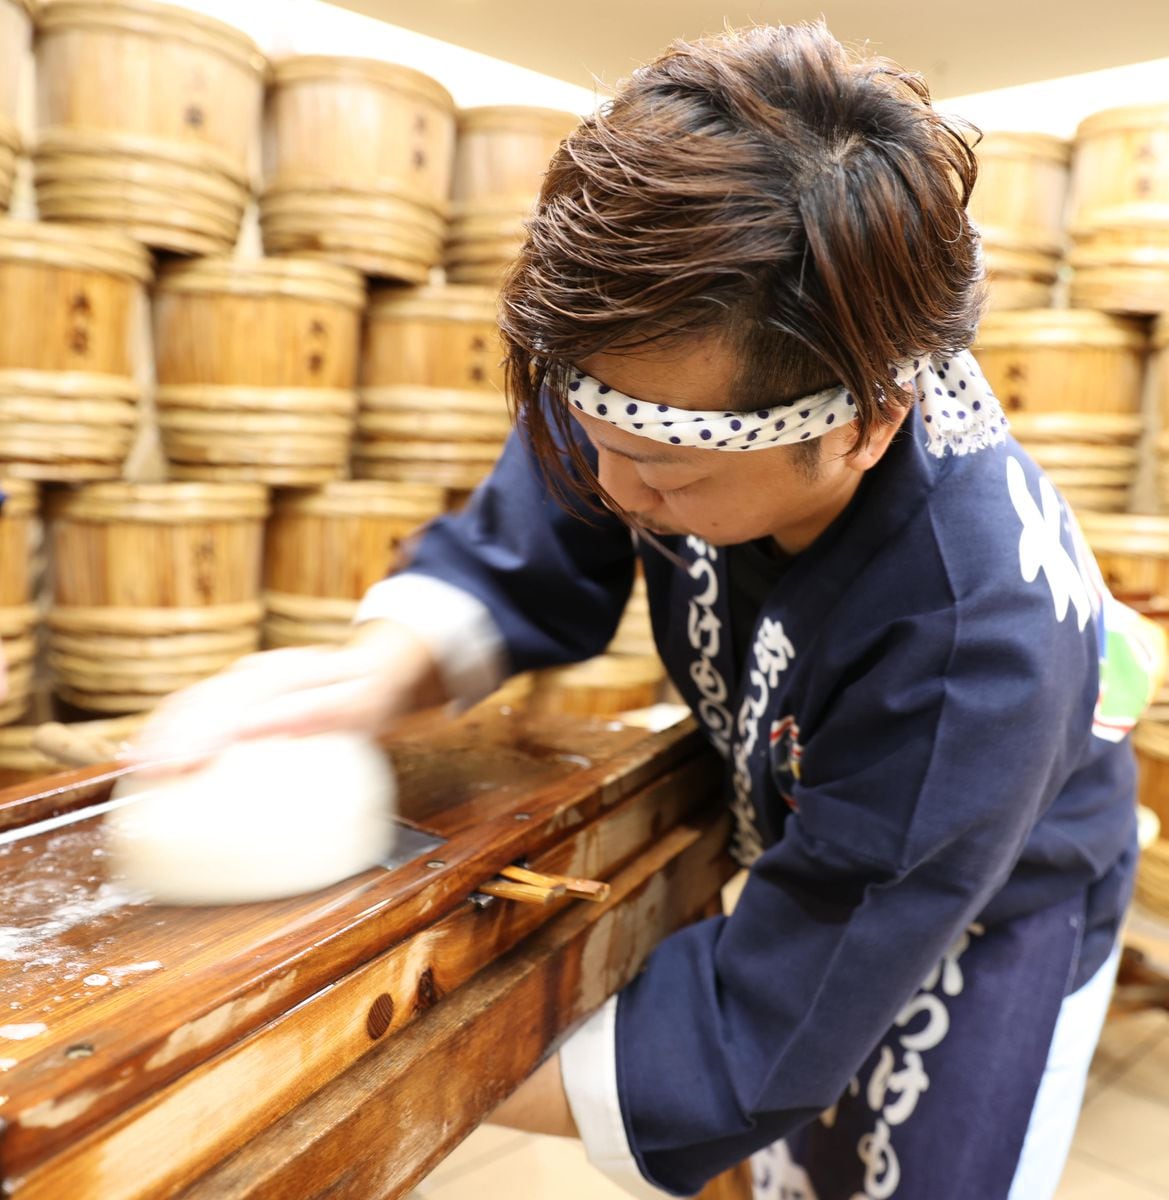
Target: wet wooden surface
pixel 121 1019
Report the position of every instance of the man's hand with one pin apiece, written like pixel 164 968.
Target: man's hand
pixel 383 674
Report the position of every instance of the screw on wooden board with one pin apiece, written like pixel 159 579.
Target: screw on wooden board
pixel 522 816
pixel 435 863
pixel 80 1050
pixel 381 1013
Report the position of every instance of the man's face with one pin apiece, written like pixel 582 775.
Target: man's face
pixel 723 497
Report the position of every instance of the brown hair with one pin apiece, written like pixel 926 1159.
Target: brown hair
pixel 764 186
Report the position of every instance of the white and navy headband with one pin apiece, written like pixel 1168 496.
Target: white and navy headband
pixel 959 410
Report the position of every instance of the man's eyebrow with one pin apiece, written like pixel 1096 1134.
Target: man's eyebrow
pixel 665 460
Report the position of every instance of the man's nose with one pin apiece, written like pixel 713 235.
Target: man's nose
pixel 619 477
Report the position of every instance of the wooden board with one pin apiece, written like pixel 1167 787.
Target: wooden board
pixel 174 1035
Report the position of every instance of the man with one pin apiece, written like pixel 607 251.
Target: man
pixel 739 321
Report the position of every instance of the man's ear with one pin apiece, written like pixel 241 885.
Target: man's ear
pixel 879 439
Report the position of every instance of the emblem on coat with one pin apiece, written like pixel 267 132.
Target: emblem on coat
pixel 785 753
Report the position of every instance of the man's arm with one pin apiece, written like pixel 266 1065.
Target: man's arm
pixel 539 1104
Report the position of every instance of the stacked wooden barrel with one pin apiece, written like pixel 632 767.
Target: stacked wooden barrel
pixel 357 165
pixel 15 23
pixel 69 302
pixel 257 368
pixel 635 633
pixel 1119 217
pixel 326 547
pixel 1070 382
pixel 1018 205
pixel 155 586
pixel 432 404
pixel 18 613
pixel 1159 372
pixel 501 155
pixel 147 119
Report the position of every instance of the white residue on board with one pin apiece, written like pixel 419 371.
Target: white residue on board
pixel 19 1033
pixel 6 1064
pixel 96 980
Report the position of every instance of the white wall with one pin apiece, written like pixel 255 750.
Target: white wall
pixel 284 27
pixel 1057 106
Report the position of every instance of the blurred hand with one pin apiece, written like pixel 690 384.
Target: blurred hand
pixel 384 672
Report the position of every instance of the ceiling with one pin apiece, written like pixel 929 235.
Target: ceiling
pixel 961 46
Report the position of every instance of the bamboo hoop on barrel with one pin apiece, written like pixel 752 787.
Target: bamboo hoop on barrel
pixel 1087 428
pixel 16 619
pixel 223 398
pixel 10 146
pixel 130 622
pixel 280 633
pixel 282 476
pixel 233 642
pixel 458 477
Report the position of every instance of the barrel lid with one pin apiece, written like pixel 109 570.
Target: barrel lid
pixel 1011 144
pixel 161 503
pixel 1059 327
pixel 302 278
pixel 20 497
pixel 364 498
pixel 450 302
pixel 374 71
pixel 153 19
pixel 74 246
pixel 1129 117
pixel 517 118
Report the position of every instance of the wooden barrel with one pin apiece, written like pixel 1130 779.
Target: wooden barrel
pixel 601 686
pixel 18 613
pixel 1123 267
pixel 1133 554
pixel 437 337
pixel 432 403
pixel 9 149
pixel 154 587
pixel 1021 191
pixel 501 154
pixel 137 104
pixel 1151 743
pixel 1063 361
pixel 1120 167
pixel 357 164
pixel 325 548
pixel 70 300
pixel 257 366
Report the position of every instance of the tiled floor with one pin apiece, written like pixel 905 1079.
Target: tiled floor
pixel 1121 1150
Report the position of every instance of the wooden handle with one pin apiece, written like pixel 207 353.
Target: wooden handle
pixel 526 893
pixel 580 889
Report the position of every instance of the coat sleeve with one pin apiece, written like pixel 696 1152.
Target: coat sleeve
pixel 918 791
pixel 551 576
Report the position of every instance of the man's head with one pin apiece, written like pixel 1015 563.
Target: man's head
pixel 762 198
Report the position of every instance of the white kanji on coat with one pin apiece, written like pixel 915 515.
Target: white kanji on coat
pixel 1041 545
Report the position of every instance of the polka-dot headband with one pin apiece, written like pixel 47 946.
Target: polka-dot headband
pixel 959 409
